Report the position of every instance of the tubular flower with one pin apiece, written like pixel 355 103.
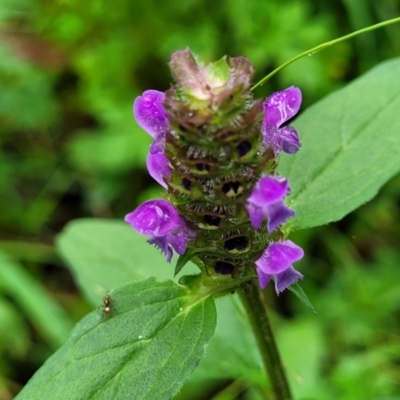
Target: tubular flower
pixel 276 262
pixel 266 200
pixel 279 108
pixel 215 151
pixel 160 220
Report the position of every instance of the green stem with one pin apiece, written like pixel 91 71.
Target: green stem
pixel 250 296
pixel 324 46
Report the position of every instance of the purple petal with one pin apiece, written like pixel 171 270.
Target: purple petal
pixel 269 190
pixel 157 165
pixel 263 278
pixel 281 106
pixel 176 240
pixel 154 218
pixel 162 244
pixel 266 200
pixel 277 214
pixel 150 113
pixel 286 278
pixel 289 140
pixel 279 256
pixel 256 215
pixel 158 146
pixel 276 262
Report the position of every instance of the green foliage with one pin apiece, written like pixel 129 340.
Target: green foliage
pixel 50 318
pixel 153 339
pixel 69 148
pixel 348 152
pixel 301 295
pixel 106 254
pixel 232 353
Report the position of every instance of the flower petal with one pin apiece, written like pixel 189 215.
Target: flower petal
pixel 269 190
pixel 279 256
pixel 263 278
pixel 150 113
pixel 158 167
pixel 256 215
pixel 289 140
pixel 276 262
pixel 154 218
pixel 266 200
pixel 162 244
pixel 286 278
pixel 277 214
pixel 281 106
pixel 176 240
pixel 158 146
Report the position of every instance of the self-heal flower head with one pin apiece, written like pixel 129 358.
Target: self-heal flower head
pixel 266 201
pixel 151 116
pixel 215 152
pixel 161 221
pixel 276 262
pixel 279 108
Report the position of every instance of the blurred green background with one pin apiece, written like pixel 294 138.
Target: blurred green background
pixel 69 148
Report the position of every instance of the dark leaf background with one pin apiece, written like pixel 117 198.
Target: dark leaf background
pixel 69 148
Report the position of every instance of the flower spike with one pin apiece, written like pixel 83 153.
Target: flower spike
pixel 215 150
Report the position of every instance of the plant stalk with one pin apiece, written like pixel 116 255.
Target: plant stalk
pixel 250 296
pixel 324 46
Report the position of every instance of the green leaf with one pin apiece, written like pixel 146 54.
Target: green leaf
pixel 146 349
pixel 183 260
pixel 300 294
pixel 233 351
pixel 105 254
pixel 44 313
pixel 350 148
pixel 217 73
pixel 303 350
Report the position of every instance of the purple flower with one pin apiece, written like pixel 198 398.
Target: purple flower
pixel 276 262
pixel 160 220
pixel 266 200
pixel 157 165
pixel 150 114
pixel 279 108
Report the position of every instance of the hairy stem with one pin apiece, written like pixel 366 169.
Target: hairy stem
pixel 250 296
pixel 324 46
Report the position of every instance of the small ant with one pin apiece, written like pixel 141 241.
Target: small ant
pixel 107 305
